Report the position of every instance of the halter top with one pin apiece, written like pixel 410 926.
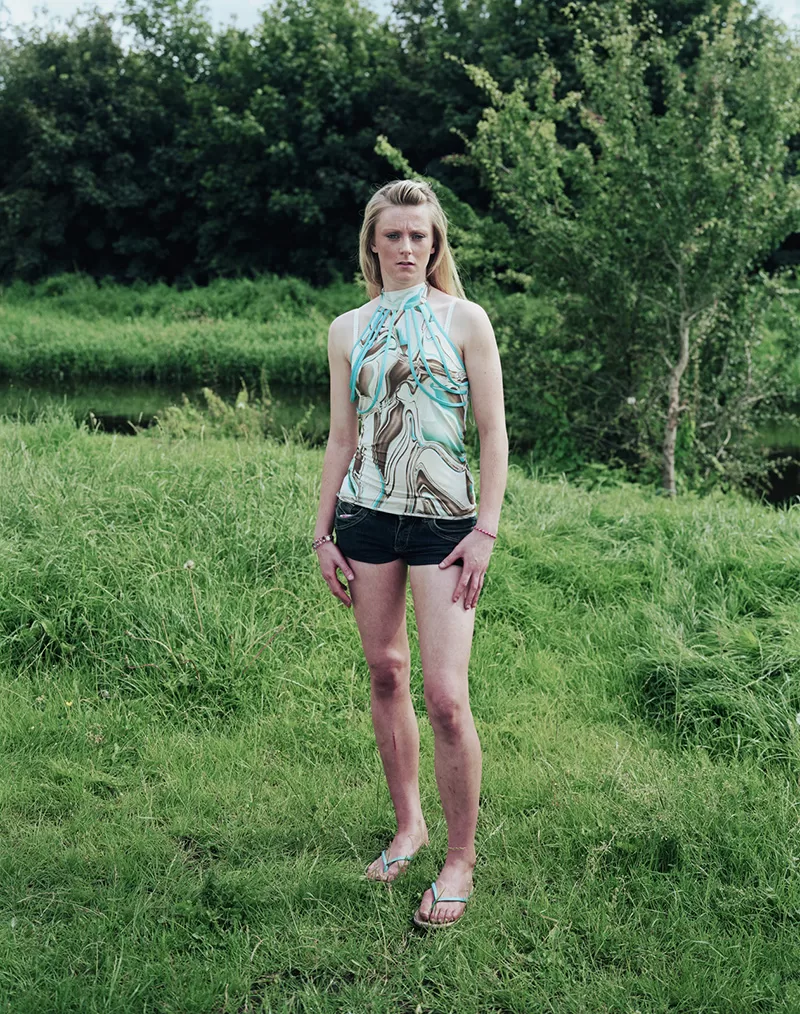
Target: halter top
pixel 412 394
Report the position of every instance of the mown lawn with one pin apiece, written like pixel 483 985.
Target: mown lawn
pixel 190 788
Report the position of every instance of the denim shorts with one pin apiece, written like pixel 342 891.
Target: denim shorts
pixel 373 536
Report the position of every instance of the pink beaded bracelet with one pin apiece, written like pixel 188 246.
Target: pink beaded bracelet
pixel 483 530
pixel 321 541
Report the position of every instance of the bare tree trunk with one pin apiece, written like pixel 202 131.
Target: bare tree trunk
pixel 673 408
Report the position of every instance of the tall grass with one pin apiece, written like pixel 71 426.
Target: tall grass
pixel 191 790
pixel 69 327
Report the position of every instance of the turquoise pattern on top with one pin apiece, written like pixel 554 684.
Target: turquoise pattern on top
pixel 411 392
pixel 403 309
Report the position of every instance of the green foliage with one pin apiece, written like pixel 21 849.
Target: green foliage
pixel 649 233
pixel 68 331
pixel 542 363
pixel 90 172
pixel 176 157
pixel 257 299
pixel 247 418
pixel 436 108
pixel 188 153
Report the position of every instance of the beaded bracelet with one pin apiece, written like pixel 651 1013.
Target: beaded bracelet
pixel 321 541
pixel 483 530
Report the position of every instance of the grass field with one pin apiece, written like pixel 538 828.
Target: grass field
pixel 191 790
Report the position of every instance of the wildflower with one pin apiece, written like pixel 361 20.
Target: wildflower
pixel 68 703
pixel 631 400
pixel 189 565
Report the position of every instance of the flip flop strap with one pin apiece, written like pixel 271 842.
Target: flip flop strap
pixel 437 897
pixel 398 859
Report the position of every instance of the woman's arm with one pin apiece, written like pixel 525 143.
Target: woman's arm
pixel 342 443
pixel 482 361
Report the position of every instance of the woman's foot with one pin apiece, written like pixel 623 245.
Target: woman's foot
pixel 404 844
pixel 455 881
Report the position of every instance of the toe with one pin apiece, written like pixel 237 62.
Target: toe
pixel 375 871
pixel 424 910
pixel 448 912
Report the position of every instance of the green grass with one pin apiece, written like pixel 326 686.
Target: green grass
pixel 191 789
pixel 69 327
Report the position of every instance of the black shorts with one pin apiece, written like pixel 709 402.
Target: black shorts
pixel 379 537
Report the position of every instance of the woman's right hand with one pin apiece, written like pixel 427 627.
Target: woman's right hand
pixel 331 559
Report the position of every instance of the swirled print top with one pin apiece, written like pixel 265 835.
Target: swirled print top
pixel 412 393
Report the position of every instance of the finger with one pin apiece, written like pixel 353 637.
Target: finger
pixel 461 587
pixel 477 587
pixel 343 564
pixel 339 590
pixel 347 570
pixel 453 555
pixel 469 591
pixel 336 587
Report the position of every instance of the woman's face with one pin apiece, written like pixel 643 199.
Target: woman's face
pixel 404 243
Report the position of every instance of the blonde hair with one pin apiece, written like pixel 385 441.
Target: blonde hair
pixel 441 272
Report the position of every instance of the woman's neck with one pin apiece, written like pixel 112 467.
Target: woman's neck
pixel 393 297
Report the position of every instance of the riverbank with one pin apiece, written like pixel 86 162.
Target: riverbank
pixel 191 788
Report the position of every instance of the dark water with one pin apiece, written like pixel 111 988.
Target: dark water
pixel 124 408
pixel 783 483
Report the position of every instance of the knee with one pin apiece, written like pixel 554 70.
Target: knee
pixel 449 713
pixel 389 674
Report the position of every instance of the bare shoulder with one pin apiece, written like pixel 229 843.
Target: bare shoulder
pixel 341 331
pixel 472 313
pixel 470 326
pixel 340 327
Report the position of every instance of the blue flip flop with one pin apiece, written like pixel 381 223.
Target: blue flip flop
pixel 427 924
pixel 386 864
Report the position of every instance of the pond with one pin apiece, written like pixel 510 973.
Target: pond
pixel 124 408
pixel 784 485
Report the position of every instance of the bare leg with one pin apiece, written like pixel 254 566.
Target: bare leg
pixel 379 603
pixel 445 635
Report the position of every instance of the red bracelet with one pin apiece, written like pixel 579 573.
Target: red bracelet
pixel 321 541
pixel 483 530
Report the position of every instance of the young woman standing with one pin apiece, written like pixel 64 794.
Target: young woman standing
pixel 398 493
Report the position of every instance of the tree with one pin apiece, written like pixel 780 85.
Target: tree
pixel 90 176
pixel 651 230
pixel 434 104
pixel 283 135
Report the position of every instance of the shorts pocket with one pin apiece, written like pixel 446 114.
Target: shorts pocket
pixel 451 529
pixel 347 515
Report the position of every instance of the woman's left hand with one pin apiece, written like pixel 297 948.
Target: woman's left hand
pixel 474 551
